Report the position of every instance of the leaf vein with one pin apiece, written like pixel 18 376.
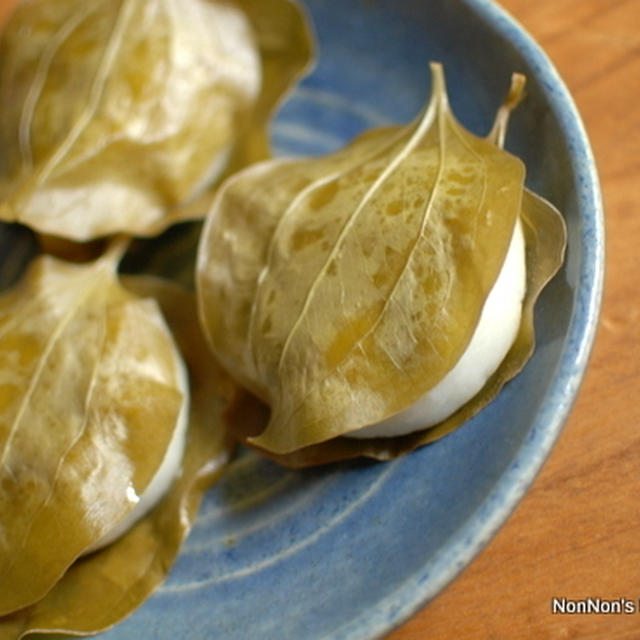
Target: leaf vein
pixel 422 126
pixel 97 89
pixel 87 406
pixel 44 358
pixel 35 90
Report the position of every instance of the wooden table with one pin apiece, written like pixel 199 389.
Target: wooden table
pixel 577 532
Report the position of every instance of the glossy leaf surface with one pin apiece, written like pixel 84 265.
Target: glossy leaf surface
pixel 545 237
pixel 118 115
pixel 91 389
pixel 100 590
pixel 340 289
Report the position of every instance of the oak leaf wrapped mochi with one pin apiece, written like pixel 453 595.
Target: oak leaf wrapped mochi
pixel 93 413
pixel 119 115
pixel 103 588
pixel 341 289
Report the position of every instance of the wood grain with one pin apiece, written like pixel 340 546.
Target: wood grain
pixel 577 532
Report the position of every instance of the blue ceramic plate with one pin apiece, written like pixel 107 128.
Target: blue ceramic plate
pixel 352 550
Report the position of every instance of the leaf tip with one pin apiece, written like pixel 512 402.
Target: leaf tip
pixel 438 86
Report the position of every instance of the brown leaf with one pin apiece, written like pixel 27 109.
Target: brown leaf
pixel 340 289
pixel 91 391
pixel 119 115
pixel 100 590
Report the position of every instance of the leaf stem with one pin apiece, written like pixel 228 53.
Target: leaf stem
pixel 116 248
pixel 512 100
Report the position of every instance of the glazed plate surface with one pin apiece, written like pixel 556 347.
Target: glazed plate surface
pixel 351 550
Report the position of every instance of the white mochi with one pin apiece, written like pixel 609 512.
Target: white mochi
pixel 166 473
pixel 492 339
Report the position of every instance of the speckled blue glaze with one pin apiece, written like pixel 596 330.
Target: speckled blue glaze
pixel 350 551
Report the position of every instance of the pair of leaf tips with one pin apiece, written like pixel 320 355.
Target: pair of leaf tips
pixel 514 96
